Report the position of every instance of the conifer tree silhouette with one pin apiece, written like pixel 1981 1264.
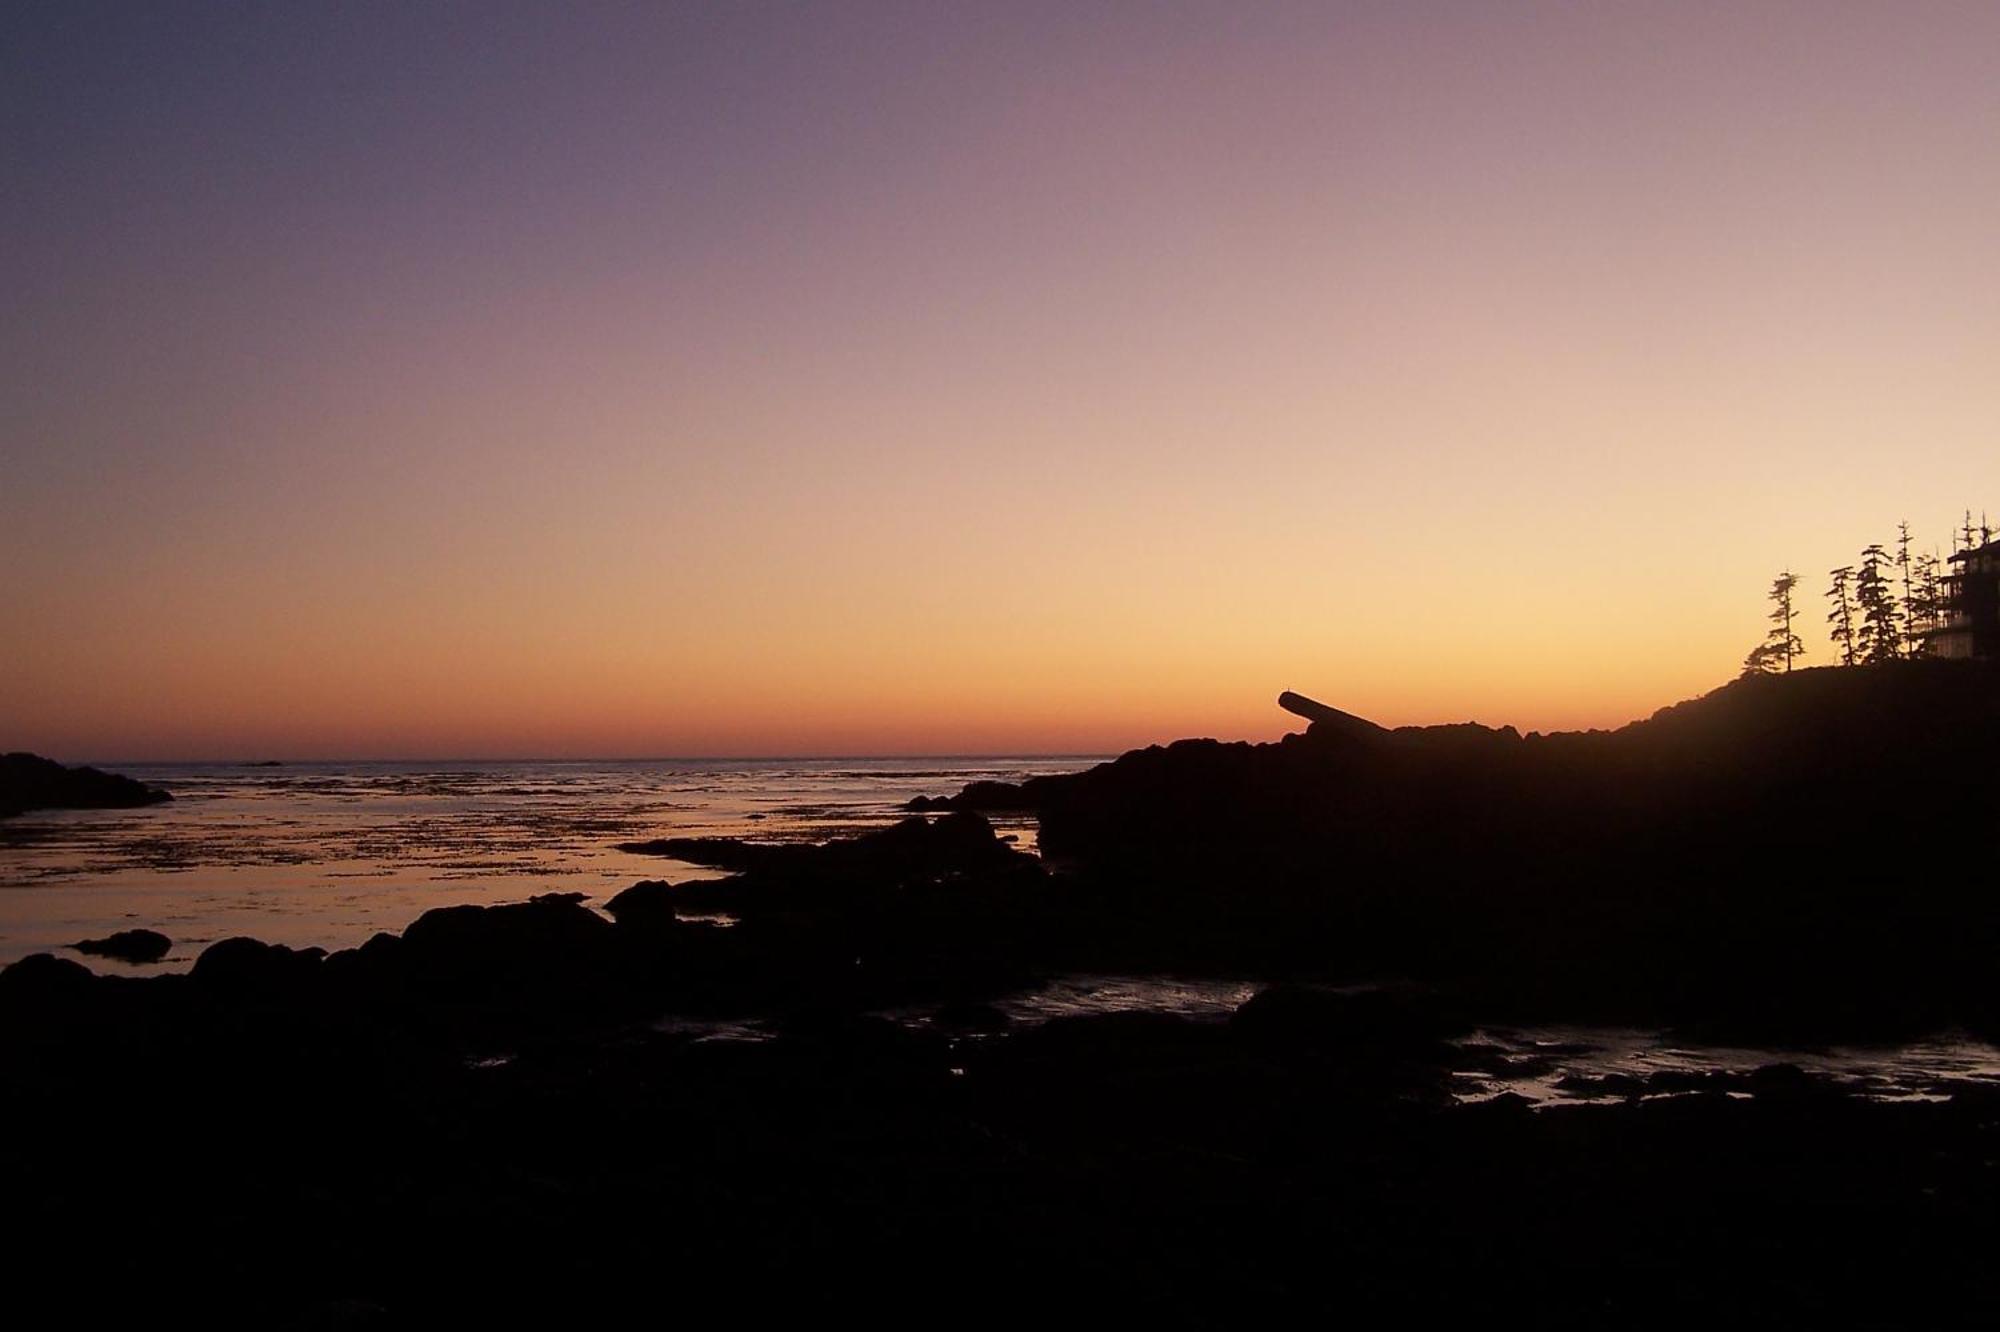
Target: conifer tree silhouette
pixel 1905 570
pixel 1841 617
pixel 1926 600
pixel 1879 637
pixel 1782 644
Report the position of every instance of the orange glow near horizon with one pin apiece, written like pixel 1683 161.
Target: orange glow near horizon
pixel 1062 386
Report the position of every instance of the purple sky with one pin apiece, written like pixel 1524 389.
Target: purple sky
pixel 485 378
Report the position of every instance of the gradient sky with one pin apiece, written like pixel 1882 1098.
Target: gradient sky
pixel 595 379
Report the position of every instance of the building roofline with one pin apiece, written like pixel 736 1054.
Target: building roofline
pixel 1990 548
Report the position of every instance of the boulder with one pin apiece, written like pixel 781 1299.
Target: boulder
pixel 134 946
pixel 548 943
pixel 380 962
pixel 43 978
pixel 645 905
pixel 253 968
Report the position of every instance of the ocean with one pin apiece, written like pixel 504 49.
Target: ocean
pixel 326 854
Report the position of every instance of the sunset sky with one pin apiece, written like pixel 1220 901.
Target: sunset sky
pixel 561 380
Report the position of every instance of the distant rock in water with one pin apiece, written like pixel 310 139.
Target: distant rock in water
pixel 28 781
pixel 985 796
pixel 135 946
pixel 958 842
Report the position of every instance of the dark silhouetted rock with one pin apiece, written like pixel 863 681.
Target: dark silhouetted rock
pixel 257 969
pixel 43 978
pixel 28 781
pixel 1788 1081
pixel 1584 1087
pixel 135 946
pixel 1373 1024
pixel 957 843
pixel 379 963
pixel 648 904
pixel 1627 876
pixel 720 852
pixel 987 796
pixel 550 950
pixel 548 922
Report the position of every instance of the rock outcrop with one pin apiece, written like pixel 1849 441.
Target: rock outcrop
pixel 28 781
pixel 134 946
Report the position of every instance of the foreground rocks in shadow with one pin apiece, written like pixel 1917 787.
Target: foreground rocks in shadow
pixel 920 911
pixel 135 946
pixel 550 951
pixel 28 781
pixel 1300 1162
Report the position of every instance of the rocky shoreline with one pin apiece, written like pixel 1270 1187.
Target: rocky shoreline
pixel 535 1110
pixel 415 1164
pixel 30 782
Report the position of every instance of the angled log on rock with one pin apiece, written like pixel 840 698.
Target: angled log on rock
pixel 1330 717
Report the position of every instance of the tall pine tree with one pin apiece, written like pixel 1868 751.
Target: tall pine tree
pixel 1841 617
pixel 1782 644
pixel 1926 598
pixel 1909 606
pixel 1879 638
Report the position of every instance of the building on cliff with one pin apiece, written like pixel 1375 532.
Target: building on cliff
pixel 1970 625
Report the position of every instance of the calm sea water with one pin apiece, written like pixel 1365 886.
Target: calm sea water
pixel 329 853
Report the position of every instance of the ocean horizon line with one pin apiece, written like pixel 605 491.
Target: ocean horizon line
pixel 660 758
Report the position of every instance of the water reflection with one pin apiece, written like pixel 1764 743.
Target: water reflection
pixel 1552 1066
pixel 327 854
pixel 1568 1065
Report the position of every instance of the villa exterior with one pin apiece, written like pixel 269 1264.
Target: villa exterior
pixel 1970 627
